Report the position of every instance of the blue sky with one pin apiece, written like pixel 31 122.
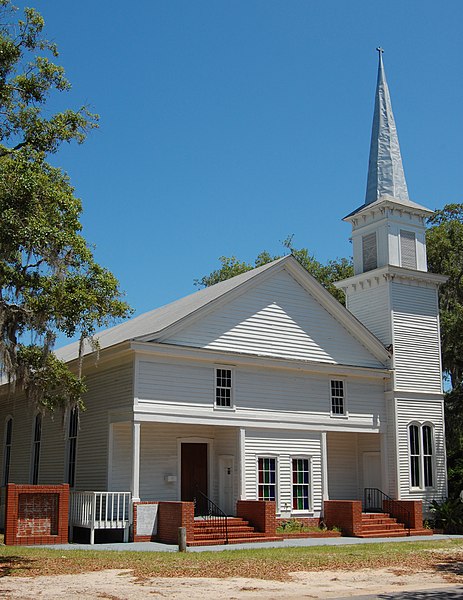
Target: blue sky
pixel 228 125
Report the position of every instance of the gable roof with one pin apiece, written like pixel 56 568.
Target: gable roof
pixel 157 324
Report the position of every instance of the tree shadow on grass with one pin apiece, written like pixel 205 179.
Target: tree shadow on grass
pixel 10 564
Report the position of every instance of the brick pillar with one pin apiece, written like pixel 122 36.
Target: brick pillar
pixel 345 514
pixel 173 515
pixel 36 514
pixel 412 517
pixel 261 514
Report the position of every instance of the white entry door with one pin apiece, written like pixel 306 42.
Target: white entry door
pixel 226 472
pixel 372 470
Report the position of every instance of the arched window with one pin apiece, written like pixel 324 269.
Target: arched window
pixel 72 446
pixel 421 444
pixel 7 450
pixel 36 449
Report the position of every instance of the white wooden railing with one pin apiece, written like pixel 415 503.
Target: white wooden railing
pixel 100 510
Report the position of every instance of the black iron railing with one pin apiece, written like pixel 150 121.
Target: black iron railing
pixel 216 519
pixel 375 500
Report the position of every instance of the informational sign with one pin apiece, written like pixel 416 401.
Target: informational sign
pixel 147 519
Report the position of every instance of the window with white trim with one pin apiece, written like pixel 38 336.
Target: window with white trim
pixel 408 249
pixel 267 471
pixel 7 450
pixel 223 387
pixel 369 252
pixel 301 483
pixel 72 446
pixel 338 397
pixel 36 449
pixel 421 447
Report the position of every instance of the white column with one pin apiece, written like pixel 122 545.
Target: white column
pixel 136 462
pixel 324 465
pixel 241 462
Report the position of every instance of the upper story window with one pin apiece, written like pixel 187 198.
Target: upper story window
pixel 267 473
pixel 301 483
pixel 223 388
pixel 7 450
pixel 369 252
pixel 338 397
pixel 72 446
pixel 421 445
pixel 36 449
pixel 407 249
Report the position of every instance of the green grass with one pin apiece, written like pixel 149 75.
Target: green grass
pixel 268 563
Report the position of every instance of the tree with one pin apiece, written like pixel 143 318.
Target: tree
pixel 334 270
pixel 49 280
pixel 445 255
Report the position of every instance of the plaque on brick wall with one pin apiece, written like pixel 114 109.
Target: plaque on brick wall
pixel 147 519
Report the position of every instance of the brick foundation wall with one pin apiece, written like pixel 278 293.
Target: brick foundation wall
pixel 260 514
pixel 36 514
pixel 306 521
pixel 171 516
pixel 135 536
pixel 345 514
pixel 414 517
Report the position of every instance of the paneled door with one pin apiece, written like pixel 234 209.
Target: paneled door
pixel 194 474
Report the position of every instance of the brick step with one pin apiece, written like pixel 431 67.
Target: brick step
pixel 385 526
pixel 383 533
pixel 239 534
pixel 221 542
pixel 237 529
pixel 231 521
pixel 368 522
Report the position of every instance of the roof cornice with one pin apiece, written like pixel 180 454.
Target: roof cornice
pixel 392 272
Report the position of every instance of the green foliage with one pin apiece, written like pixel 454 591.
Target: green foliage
pixel 334 270
pixel 292 526
pixel 448 515
pixel 444 241
pixel 49 281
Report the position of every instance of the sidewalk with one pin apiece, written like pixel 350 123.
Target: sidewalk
pixel 288 543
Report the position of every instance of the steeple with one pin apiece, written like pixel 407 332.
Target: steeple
pixel 385 170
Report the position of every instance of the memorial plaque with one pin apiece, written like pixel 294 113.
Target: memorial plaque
pixel 147 519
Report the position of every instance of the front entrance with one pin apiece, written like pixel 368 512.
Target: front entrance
pixel 194 475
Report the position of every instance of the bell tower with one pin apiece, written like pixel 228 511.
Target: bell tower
pixel 395 297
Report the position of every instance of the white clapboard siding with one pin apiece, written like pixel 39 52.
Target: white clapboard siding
pixel 109 390
pixel 416 338
pixel 175 382
pixel 53 450
pixel 283 445
pixel 163 387
pixel 121 457
pixel 16 405
pixel 343 476
pixel 371 307
pixel 277 318
pixel 421 412
pixel 159 457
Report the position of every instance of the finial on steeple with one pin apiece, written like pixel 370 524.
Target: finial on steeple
pixel 385 170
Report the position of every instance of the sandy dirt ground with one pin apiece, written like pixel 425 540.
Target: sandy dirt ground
pixel 120 585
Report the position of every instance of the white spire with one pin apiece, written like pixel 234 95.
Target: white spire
pixel 385 170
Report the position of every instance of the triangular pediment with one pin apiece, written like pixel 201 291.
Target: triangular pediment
pixel 277 317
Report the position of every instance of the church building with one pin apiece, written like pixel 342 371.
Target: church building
pixel 264 387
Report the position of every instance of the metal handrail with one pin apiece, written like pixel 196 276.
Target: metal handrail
pixel 373 500
pixel 215 516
